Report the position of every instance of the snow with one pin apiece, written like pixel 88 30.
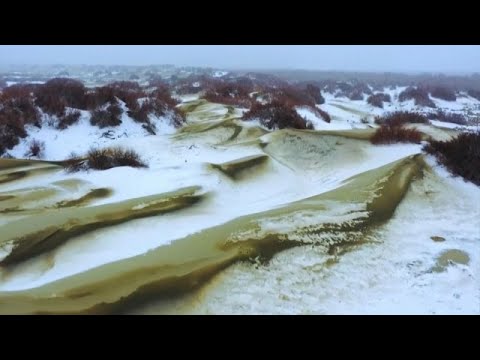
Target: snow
pixel 389 274
pixel 219 74
pixel 319 123
pixel 80 137
pixel 447 125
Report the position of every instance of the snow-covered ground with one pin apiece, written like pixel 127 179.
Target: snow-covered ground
pixel 391 273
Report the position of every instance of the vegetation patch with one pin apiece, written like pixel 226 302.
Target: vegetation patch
pixel 460 155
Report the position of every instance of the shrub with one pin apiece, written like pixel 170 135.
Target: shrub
pixel 315 93
pixel 378 99
pixel 68 119
pixel 17 91
pixel 443 93
pixel 177 117
pixel 15 113
pixel 228 93
pixel 401 117
pixel 103 159
pixel 35 149
pixel 158 104
pixel 325 116
pixel 355 95
pixel 461 155
pixel 56 94
pixel 474 93
pixel 17 104
pixel 388 134
pixel 449 117
pixel 420 95
pixel 292 96
pixel 140 114
pixel 100 96
pixel 276 115
pixel 108 117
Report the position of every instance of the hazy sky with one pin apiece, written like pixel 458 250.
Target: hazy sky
pixel 444 58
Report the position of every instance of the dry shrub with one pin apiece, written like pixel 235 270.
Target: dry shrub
pixel 378 99
pixel 325 116
pixel 389 134
pixel 460 155
pixel 458 119
pixel 103 159
pixel 17 109
pixel 400 118
pixel 420 95
pixel 36 149
pixel 108 117
pixel 443 93
pixel 56 94
pixel 228 93
pixel 68 119
pixel 276 115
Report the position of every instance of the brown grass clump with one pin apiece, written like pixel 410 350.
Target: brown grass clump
pixel 103 159
pixel 388 134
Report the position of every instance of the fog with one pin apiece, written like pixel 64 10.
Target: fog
pixel 404 58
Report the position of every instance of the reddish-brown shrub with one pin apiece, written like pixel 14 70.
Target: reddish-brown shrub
pixel 53 96
pixel 35 149
pixel 162 94
pixel 461 155
pixel 420 95
pixel 17 91
pixel 158 104
pixel 401 117
pixel 325 116
pixel 378 99
pixel 10 132
pixel 448 117
pixel 315 93
pixel 17 104
pixel 443 93
pixel 68 119
pixel 100 96
pixel 108 117
pixel 103 159
pixel 276 115
pixel 16 110
pixel 178 117
pixel 228 93
pixel 388 134
pixel 292 96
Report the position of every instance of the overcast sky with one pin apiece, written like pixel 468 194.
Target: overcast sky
pixel 444 58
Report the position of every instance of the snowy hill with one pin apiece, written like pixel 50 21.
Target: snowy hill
pixel 233 217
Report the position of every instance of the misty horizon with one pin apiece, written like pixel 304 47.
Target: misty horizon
pixel 447 59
